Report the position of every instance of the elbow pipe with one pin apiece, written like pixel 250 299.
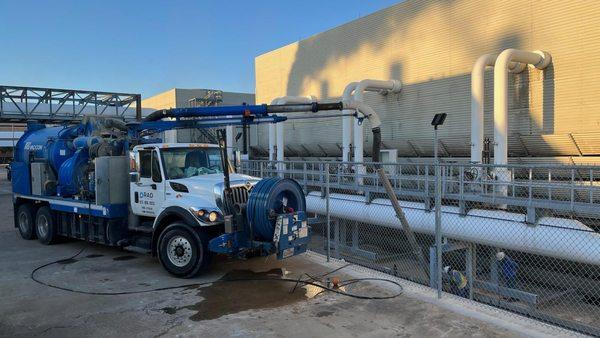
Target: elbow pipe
pixel 477 100
pixel 373 118
pixel 365 110
pixel 383 87
pixel 540 60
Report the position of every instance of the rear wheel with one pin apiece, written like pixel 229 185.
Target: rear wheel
pixel 182 251
pixel 25 221
pixel 44 226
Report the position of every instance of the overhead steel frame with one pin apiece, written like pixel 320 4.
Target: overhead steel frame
pixel 19 104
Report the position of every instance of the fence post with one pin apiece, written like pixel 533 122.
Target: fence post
pixel 327 211
pixel 438 217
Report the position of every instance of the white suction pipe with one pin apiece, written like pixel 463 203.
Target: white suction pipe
pixel 276 131
pixel 540 60
pixel 365 110
pixel 384 87
pixel 477 100
pixel 347 123
pixel 495 228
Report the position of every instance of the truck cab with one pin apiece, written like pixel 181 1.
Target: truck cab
pixel 176 194
pixel 188 176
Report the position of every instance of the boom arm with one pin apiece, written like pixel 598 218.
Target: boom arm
pixel 210 117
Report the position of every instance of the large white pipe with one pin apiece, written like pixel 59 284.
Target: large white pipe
pixel 553 237
pixel 384 87
pixel 347 122
pixel 477 100
pixel 365 110
pixel 539 60
pixel 278 130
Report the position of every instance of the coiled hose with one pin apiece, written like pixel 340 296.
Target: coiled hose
pixel 269 197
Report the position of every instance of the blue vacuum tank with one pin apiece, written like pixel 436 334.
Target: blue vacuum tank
pixel 53 145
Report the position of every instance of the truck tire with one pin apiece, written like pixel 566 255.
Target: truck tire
pixel 182 251
pixel 44 226
pixel 25 221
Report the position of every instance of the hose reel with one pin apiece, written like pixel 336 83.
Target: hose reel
pixel 271 197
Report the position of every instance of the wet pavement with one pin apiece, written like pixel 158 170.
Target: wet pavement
pixel 234 298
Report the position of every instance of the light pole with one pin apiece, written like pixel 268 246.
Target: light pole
pixel 438 120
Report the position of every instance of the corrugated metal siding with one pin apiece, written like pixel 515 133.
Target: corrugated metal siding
pixel 431 46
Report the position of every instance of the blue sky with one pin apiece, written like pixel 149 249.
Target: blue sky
pixel 150 46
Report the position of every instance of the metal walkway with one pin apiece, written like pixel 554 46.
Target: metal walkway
pixel 53 105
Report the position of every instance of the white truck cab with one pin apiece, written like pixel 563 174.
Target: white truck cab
pixel 187 176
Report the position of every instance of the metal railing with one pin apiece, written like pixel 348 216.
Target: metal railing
pixel 520 237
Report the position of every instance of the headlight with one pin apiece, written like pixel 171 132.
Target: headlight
pixel 206 216
pixel 213 216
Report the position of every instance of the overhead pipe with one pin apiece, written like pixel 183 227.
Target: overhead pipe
pixel 538 59
pixel 477 100
pixel 503 229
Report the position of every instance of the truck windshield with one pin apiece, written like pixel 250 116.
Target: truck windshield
pixel 188 162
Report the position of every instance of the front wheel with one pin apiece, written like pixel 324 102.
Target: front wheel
pixel 182 251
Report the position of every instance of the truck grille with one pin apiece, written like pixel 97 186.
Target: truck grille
pixel 240 195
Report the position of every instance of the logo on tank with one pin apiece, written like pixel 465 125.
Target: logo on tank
pixel 29 146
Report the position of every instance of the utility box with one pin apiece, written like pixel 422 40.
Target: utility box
pixel 112 180
pixel 389 156
pixel 43 180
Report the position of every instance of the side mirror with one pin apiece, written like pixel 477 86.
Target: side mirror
pixel 134 177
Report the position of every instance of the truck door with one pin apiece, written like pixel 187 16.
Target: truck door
pixel 148 193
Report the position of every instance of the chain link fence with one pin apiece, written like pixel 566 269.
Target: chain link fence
pixel 522 238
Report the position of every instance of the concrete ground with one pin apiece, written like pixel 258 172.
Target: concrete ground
pixel 257 308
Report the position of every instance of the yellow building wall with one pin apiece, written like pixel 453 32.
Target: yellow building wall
pixel 164 100
pixel 431 47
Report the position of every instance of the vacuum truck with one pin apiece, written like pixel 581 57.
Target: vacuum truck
pixel 105 181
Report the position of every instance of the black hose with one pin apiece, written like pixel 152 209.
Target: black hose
pixel 285 280
pixel 376 145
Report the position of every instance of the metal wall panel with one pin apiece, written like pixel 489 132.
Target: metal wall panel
pixel 431 47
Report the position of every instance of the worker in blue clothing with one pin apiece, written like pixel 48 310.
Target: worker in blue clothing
pixel 458 282
pixel 509 269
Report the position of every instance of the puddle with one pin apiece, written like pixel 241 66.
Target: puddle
pixel 224 298
pixel 124 258
pixel 94 256
pixel 67 261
